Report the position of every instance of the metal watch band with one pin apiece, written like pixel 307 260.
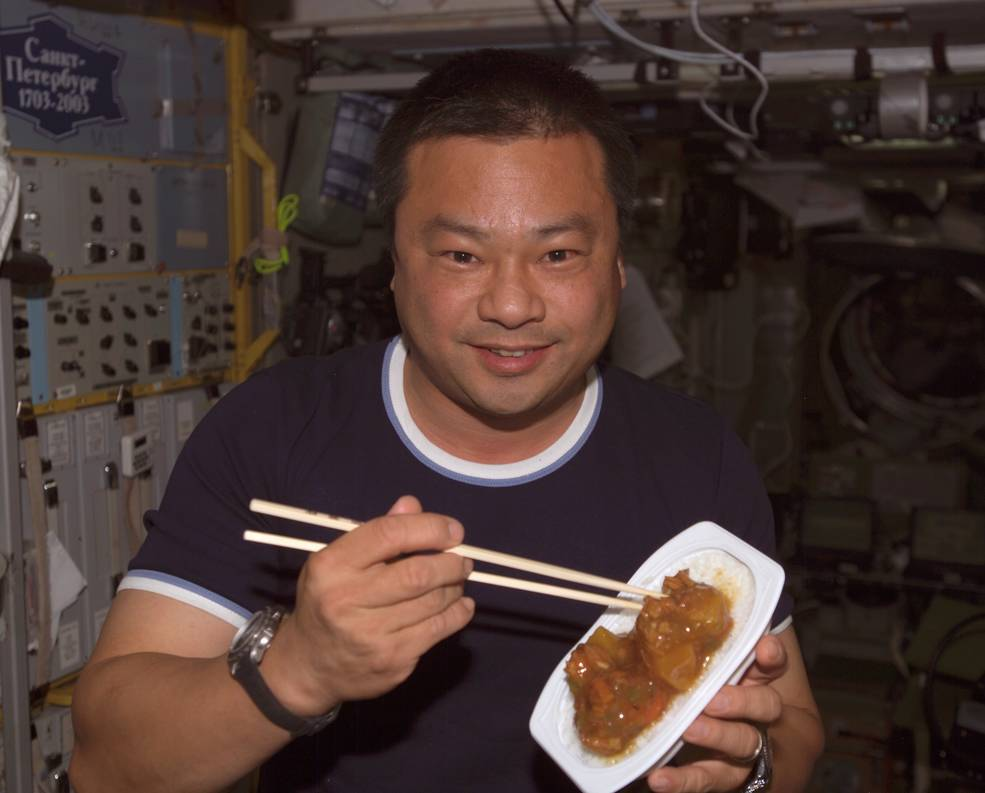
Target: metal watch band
pixel 244 667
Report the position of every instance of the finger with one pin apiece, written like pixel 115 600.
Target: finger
pixel 770 663
pixel 750 703
pixel 732 739
pixel 418 639
pixel 405 505
pixel 703 776
pixel 388 537
pixel 770 653
pixel 408 613
pixel 412 577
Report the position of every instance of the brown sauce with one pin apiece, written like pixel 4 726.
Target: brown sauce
pixel 622 683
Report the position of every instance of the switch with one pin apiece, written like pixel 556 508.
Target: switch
pixel 60 319
pixel 97 224
pixel 229 346
pixel 82 316
pixel 212 330
pixel 108 370
pixel 135 196
pixel 106 342
pixel 197 323
pixel 227 308
pixel 21 351
pixel 129 339
pixel 149 310
pixel 71 366
pixel 105 314
pixel 33 217
pixel 95 253
pixel 135 252
pixel 158 354
pixel 131 366
pixel 211 310
pixel 129 313
pixel 135 226
pixel 94 195
pixel 20 323
pixel 229 327
pixel 196 347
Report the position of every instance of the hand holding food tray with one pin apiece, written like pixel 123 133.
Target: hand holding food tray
pixel 751 583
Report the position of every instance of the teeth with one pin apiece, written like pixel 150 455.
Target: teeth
pixel 510 353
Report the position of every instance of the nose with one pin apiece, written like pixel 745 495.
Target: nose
pixel 511 297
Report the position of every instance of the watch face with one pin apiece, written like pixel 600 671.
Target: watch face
pixel 248 632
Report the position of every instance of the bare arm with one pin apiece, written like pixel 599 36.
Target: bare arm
pixel 156 709
pixel 774 693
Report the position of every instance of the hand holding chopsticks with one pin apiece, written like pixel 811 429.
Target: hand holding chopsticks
pixel 468 551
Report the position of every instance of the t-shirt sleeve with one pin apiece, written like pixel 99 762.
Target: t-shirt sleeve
pixel 194 551
pixel 743 507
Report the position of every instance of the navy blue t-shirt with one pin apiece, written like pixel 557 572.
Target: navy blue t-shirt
pixel 638 465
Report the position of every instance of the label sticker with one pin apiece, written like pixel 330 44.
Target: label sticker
pixel 59 442
pixel 94 429
pixel 150 417
pixel 69 646
pixel 59 80
pixel 66 391
pixel 186 419
pixel 192 238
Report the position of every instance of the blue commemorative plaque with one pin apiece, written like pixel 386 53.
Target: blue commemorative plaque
pixel 57 79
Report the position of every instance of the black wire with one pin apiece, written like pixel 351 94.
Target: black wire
pixel 292 136
pixel 564 12
pixel 928 689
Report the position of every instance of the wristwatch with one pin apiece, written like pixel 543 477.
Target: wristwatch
pixel 762 770
pixel 245 654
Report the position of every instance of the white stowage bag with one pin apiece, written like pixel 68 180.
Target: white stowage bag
pixel 9 189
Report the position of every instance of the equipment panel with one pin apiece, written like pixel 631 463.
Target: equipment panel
pixel 192 216
pixel 88 217
pixel 203 317
pixel 90 335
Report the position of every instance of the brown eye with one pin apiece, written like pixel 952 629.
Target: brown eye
pixel 461 257
pixel 558 256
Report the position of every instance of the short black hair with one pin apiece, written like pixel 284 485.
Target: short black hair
pixel 503 94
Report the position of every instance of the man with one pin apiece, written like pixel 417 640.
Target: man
pixel 503 181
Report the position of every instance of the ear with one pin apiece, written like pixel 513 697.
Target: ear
pixel 396 265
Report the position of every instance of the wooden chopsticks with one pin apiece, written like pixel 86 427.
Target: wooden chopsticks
pixel 468 551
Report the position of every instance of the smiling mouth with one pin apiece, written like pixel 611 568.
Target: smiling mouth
pixel 509 353
pixel 514 351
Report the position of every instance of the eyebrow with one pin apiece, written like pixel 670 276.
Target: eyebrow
pixel 444 223
pixel 573 222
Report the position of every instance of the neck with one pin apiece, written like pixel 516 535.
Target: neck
pixel 483 438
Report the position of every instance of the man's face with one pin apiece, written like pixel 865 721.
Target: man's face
pixel 507 273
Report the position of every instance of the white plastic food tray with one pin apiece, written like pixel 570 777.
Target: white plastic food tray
pixel 753 582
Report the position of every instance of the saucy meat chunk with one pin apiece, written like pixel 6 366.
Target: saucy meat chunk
pixel 676 634
pixel 622 683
